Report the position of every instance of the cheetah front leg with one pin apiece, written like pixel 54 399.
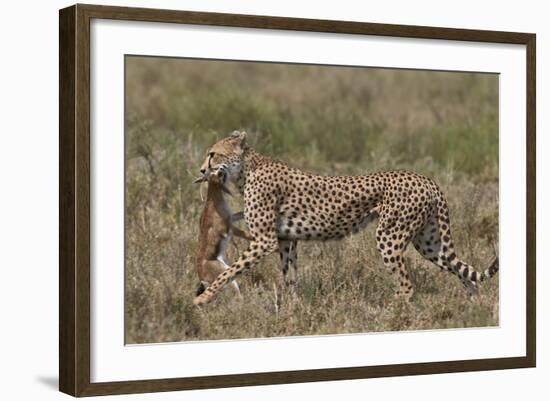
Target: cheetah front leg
pixel 264 234
pixel 255 251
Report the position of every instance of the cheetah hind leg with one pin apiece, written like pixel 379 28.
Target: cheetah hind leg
pixel 392 240
pixel 434 243
pixel 391 251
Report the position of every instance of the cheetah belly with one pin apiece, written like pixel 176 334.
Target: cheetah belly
pixel 300 227
pixel 320 225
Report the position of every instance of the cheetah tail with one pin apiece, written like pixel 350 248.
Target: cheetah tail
pixel 490 271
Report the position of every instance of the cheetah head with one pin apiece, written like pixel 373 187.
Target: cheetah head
pixel 224 158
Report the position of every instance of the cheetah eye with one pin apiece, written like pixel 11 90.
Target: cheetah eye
pixel 210 157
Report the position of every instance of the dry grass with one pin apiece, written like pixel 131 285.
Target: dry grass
pixel 327 120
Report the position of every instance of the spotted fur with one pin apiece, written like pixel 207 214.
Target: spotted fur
pixel 282 202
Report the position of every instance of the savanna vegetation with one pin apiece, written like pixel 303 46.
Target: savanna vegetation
pixel 328 120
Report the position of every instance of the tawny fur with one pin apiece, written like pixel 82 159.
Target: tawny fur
pixel 283 203
pixel 215 233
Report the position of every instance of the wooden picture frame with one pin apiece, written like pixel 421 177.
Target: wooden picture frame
pixel 74 200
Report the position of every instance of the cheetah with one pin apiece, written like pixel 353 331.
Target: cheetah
pixel 290 204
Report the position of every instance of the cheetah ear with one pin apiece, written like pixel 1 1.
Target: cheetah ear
pixel 240 135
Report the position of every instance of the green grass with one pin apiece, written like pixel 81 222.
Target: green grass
pixel 328 120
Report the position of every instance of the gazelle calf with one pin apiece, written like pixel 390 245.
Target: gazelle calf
pixel 215 233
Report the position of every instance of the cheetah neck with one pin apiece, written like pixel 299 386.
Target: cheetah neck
pixel 252 159
pixel 250 162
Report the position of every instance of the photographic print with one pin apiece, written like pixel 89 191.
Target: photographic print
pixel 241 188
pixel 352 199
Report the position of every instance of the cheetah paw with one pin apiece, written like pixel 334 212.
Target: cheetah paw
pixel 201 300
